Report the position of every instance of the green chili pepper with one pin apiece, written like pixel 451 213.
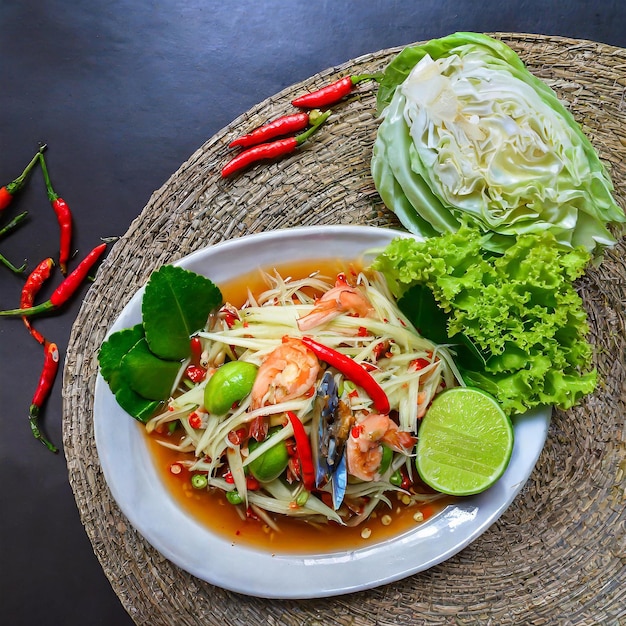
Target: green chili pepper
pixel 199 481
pixel 396 478
pixel 233 497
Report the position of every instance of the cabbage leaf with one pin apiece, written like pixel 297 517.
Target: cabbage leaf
pixel 469 135
pixel 520 309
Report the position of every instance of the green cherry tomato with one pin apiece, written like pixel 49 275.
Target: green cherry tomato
pixel 231 383
pixel 272 463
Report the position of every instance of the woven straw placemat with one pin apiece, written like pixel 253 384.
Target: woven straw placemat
pixel 558 555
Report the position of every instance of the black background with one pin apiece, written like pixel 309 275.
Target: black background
pixel 123 92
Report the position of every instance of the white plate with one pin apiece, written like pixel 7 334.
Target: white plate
pixel 140 494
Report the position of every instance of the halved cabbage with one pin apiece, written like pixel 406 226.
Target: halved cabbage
pixel 469 135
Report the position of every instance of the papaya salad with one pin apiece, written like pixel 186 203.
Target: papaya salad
pixel 305 401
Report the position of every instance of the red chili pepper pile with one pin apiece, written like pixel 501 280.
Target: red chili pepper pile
pixel 261 143
pixel 37 278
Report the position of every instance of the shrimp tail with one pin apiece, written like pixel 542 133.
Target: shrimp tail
pixel 342 298
pixel 324 311
pixel 399 440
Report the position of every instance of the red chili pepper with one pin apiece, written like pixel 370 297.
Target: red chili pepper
pixel 271 150
pixel 46 380
pixel 10 189
pixel 64 218
pixel 419 364
pixel 31 287
pixel 303 446
pixel 285 125
pixel 331 93
pixel 352 370
pixel 65 290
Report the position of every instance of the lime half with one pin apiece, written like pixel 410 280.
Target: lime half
pixel 464 443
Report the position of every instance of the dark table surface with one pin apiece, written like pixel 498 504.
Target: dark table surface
pixel 123 92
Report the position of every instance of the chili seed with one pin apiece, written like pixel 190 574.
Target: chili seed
pixel 418 517
pixel 176 468
pixel 366 533
pixel 385 520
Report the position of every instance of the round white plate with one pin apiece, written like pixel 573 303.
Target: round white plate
pixel 134 482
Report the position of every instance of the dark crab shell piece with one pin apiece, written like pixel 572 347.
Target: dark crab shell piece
pixel 328 402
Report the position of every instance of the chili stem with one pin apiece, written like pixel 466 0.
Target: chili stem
pixel 33 418
pixel 52 195
pixel 16 270
pixel 302 137
pixel 13 224
pixel 15 185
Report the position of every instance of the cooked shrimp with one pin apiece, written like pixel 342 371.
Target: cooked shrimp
pixel 342 298
pixel 364 451
pixel 288 372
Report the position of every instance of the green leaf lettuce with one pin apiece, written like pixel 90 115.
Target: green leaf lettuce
pixel 520 309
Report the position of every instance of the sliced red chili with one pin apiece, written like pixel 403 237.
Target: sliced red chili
pixel 353 371
pixel 303 447
pixel 356 431
pixel 419 364
pixel 252 484
pixel 195 421
pixel 330 94
pixel 273 150
pixel 195 374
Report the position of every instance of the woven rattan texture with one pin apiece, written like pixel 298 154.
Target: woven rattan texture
pixel 558 555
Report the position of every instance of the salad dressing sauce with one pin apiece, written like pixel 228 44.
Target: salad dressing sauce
pixel 212 509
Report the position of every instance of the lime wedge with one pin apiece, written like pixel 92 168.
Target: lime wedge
pixel 464 443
